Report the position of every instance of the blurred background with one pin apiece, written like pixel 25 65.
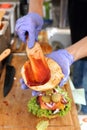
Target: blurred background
pixel 55 21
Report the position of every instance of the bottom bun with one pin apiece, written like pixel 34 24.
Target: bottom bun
pixel 55 79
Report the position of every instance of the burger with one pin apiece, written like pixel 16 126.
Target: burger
pixel 52 101
pixel 50 104
pixel 43 74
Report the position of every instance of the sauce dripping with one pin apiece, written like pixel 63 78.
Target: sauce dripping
pixel 37 71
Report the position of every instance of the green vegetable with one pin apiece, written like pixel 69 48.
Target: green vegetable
pixel 56 97
pixel 46 98
pixel 42 125
pixel 48 92
pixel 35 109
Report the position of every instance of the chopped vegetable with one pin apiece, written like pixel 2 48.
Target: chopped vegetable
pixel 45 110
pixel 42 125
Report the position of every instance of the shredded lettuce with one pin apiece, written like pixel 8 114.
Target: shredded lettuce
pixel 35 109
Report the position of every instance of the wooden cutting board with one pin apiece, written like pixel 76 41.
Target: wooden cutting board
pixel 13 108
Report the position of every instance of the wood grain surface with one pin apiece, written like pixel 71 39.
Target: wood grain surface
pixel 13 107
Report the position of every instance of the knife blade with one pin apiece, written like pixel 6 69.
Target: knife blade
pixel 9 76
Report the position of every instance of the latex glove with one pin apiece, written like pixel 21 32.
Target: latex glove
pixel 24 86
pixel 64 59
pixel 32 24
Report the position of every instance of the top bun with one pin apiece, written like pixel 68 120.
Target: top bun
pixel 55 78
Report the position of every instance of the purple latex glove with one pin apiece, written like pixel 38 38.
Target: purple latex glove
pixel 64 59
pixel 32 24
pixel 24 87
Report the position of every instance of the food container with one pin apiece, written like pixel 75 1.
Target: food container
pixel 5 36
pixel 11 8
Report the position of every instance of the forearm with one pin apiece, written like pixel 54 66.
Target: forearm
pixel 36 6
pixel 79 49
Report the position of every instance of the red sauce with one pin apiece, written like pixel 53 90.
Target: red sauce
pixel 6 103
pixel 37 73
pixel 1 26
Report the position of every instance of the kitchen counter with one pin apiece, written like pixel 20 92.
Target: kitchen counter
pixel 13 107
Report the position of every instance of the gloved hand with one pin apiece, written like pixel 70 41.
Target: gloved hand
pixel 64 59
pixel 23 86
pixel 32 24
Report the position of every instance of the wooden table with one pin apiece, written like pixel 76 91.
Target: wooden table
pixel 13 108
